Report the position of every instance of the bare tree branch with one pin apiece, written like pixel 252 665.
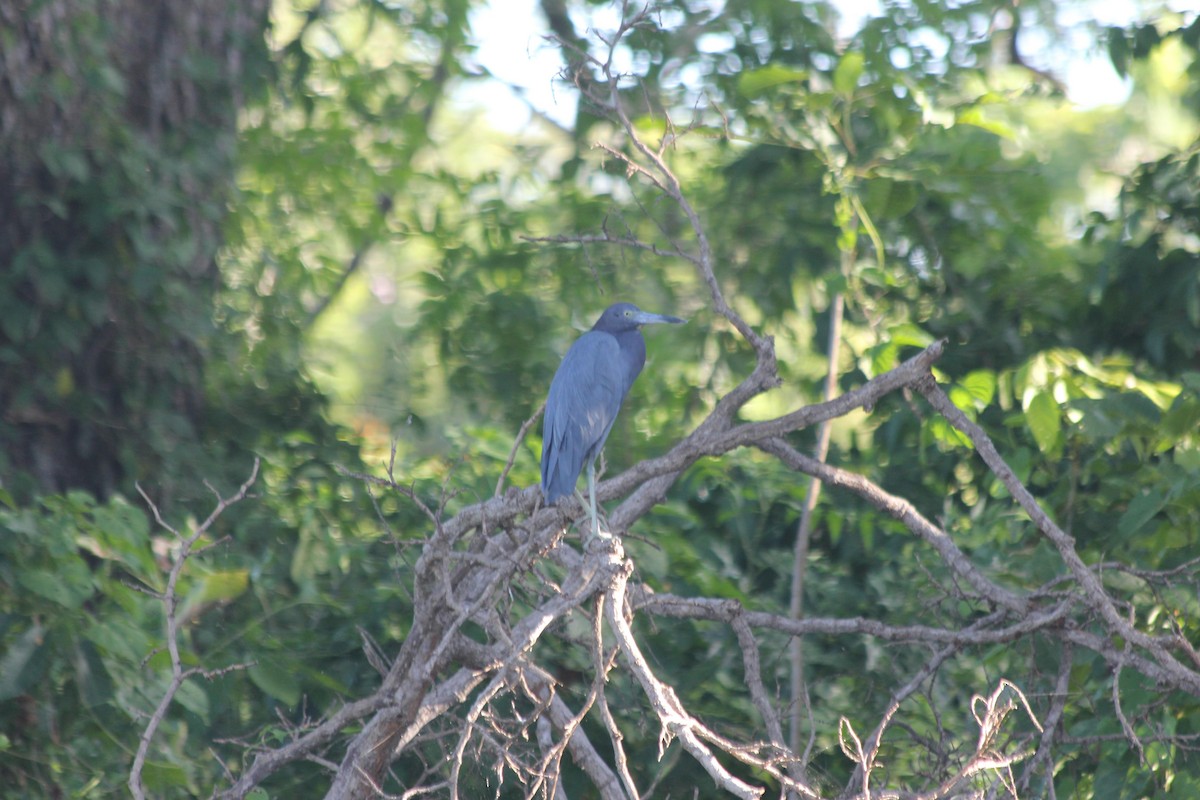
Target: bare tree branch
pixel 676 721
pixel 1093 590
pixel 189 545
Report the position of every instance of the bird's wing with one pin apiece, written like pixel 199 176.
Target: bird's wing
pixel 584 399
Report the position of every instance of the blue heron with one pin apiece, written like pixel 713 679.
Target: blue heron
pixel 586 395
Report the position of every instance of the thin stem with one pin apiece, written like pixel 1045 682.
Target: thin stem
pixel 170 601
pixel 804 529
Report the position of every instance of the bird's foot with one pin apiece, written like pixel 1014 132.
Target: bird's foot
pixel 599 530
pixel 601 542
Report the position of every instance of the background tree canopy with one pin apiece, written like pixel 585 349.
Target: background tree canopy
pixel 283 243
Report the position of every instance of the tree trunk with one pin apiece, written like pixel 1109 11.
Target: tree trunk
pixel 117 132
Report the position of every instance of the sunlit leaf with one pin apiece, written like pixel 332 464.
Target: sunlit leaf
pixel 753 83
pixel 981 385
pixel 963 400
pixel 225 585
pixel 975 116
pixel 847 72
pixel 1044 418
pixel 947 434
pixel 908 334
pixel 883 357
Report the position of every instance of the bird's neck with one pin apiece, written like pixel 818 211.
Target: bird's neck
pixel 634 347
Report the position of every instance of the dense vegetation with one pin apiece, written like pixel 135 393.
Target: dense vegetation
pixel 246 241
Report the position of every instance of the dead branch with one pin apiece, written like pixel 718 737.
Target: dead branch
pixel 189 545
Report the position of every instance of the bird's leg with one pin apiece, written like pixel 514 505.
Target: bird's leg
pixel 592 496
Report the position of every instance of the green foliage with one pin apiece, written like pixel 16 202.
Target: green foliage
pixel 1147 277
pixel 125 355
pixel 373 245
pixel 84 659
pixel 74 629
pixel 117 175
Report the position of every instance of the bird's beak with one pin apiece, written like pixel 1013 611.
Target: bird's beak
pixel 650 318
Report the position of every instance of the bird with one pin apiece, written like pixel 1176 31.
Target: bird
pixel 586 394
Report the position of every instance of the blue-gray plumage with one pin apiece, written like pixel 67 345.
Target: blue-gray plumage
pixel 586 394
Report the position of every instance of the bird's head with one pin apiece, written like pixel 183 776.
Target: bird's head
pixel 627 317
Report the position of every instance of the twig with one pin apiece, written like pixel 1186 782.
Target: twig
pixel 804 529
pixel 676 721
pixel 903 511
pixel 1093 591
pixel 865 756
pixel 582 750
pixel 170 601
pixel 1126 728
pixel 990 714
pixel 1044 758
pixel 602 666
pixel 982 632
pixel 512 454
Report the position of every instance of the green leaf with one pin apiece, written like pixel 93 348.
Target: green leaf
pixel 1183 417
pixel 847 239
pixel 755 82
pixel 160 776
pixel 277 680
pixel 22 522
pixel 947 434
pixel 883 357
pixel 847 73
pixel 95 684
pixel 834 523
pixel 1141 510
pixel 889 199
pixel 1188 458
pixel 67 586
pixel 1118 50
pixel 1044 419
pixel 908 334
pixel 650 128
pixel 981 385
pixel 974 116
pixel 1099 421
pixel 120 532
pixel 226 585
pixel 119 638
pixel 15 666
pixel 963 400
pixel 193 698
